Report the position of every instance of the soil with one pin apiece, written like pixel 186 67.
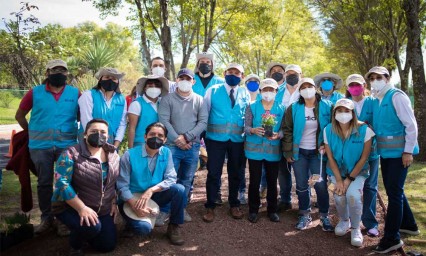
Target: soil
pixel 224 236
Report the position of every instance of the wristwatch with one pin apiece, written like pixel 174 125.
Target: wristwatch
pixel 348 176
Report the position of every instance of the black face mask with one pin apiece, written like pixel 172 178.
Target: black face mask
pixel 292 79
pixel 154 142
pixel 96 140
pixel 205 68
pixel 57 80
pixel 277 76
pixel 108 85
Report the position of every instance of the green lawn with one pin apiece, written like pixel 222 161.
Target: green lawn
pixel 7 115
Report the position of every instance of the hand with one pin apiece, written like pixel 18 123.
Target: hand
pixel 290 159
pixel 187 146
pixel 339 188
pixel 114 211
pixel 407 159
pixel 321 150
pixel 180 141
pixel 145 212
pixel 346 184
pixel 274 136
pixel 142 202
pixel 259 131
pixel 88 216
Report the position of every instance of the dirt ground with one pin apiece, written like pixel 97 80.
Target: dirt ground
pixel 225 236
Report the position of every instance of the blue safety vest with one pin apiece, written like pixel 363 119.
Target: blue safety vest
pixel 111 114
pixel 141 177
pixel 260 148
pixel 334 97
pixel 299 121
pixel 53 123
pixel 227 123
pixel 198 87
pixel 280 94
pixel 390 131
pixel 148 116
pixel 347 152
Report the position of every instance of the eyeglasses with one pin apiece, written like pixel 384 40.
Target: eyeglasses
pixel 57 70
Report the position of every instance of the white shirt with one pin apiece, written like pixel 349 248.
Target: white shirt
pixel 288 98
pixel 135 107
pixel 85 102
pixel 309 135
pixel 359 105
pixel 208 95
pixel 368 135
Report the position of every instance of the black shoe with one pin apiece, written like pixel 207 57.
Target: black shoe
pixel 253 217
pixel 282 207
pixel 218 202
pixel 413 230
pixel 386 245
pixel 274 217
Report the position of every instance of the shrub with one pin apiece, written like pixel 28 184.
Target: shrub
pixel 5 99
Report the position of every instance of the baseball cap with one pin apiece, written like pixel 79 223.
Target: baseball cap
pixel 377 70
pixel 252 76
pixel 293 67
pixel 236 66
pixel 306 80
pixel 186 72
pixel 268 82
pixel 347 103
pixel 56 63
pixel 355 78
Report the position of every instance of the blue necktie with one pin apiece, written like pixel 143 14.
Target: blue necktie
pixel 231 96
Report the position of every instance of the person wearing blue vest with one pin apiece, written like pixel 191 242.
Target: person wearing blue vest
pixel 105 101
pixel 364 108
pixel 52 128
pixel 148 170
pixel 143 110
pixel 226 104
pixel 328 84
pixel 348 145
pixel 262 148
pixel 303 128
pixel 396 131
pixel 204 73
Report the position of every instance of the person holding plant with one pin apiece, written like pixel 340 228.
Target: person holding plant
pixel 262 147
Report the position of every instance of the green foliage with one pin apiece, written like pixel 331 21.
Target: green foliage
pixel 14 221
pixel 5 99
pixel 98 55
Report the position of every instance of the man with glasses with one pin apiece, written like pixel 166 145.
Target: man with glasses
pixel 52 128
pixel 396 130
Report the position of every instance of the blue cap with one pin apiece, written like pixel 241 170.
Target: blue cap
pixel 186 72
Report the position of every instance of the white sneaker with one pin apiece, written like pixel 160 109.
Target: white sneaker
pixel 356 237
pixel 342 227
pixel 162 218
pixel 186 216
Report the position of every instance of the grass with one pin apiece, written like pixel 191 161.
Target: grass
pixel 7 115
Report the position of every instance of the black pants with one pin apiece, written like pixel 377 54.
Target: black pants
pixel 271 171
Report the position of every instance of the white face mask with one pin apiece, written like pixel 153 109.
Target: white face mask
pixel 158 71
pixel 308 93
pixel 184 86
pixel 153 92
pixel 343 117
pixel 268 96
pixel 378 85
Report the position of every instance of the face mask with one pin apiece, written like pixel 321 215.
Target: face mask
pixel 158 71
pixel 154 143
pixel 108 85
pixel 356 90
pixel 268 96
pixel 343 117
pixel 378 85
pixel 308 93
pixel 184 86
pixel 292 79
pixel 252 86
pixel 327 85
pixel 153 92
pixel 204 68
pixel 277 76
pixel 232 80
pixel 96 140
pixel 57 80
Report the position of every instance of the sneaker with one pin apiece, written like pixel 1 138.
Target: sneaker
pixel 61 229
pixel 342 227
pixel 174 235
pixel 162 218
pixel 303 222
pixel 262 192
pixel 414 230
pixel 186 216
pixel 45 225
pixel 386 245
pixel 356 237
pixel 326 224
pixel 373 232
pixel 242 198
pixel 282 207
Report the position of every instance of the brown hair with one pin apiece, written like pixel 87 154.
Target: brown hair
pixel 353 124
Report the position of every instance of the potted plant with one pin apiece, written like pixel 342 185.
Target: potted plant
pixel 268 122
pixel 15 229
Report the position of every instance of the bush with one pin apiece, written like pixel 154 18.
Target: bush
pixel 5 99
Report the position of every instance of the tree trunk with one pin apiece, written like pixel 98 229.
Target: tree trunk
pixel 415 58
pixel 146 54
pixel 166 40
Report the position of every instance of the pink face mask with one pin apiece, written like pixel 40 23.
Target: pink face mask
pixel 356 90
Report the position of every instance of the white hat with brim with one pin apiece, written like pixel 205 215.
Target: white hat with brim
pixel 377 70
pixel 56 63
pixel 346 103
pixel 337 80
pixel 355 78
pixel 201 55
pixel 268 82
pixel 131 214
pixel 293 67
pixel 236 66
pixel 141 83
pixel 274 64
pixel 251 77
pixel 109 72
pixel 306 80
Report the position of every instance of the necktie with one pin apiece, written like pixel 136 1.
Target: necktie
pixel 231 96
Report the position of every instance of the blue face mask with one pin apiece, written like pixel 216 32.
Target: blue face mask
pixel 327 85
pixel 252 86
pixel 232 80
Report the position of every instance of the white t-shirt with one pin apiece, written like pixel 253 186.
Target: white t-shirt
pixel 359 105
pixel 309 136
pixel 135 106
pixel 368 135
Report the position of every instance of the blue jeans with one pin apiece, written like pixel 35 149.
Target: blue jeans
pixel 399 213
pixel 307 165
pixel 370 196
pixel 102 237
pixel 44 160
pixel 284 180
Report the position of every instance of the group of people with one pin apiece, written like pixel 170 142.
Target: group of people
pixel 283 124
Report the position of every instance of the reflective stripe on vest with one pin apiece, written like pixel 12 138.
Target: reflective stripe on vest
pixel 148 116
pixel 53 123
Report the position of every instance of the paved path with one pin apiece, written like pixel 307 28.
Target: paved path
pixel 5 133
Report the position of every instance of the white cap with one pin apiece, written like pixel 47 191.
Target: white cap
pixel 377 70
pixel 293 67
pixel 252 76
pixel 268 82
pixel 201 55
pixel 355 78
pixel 306 80
pixel 347 103
pixel 235 65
